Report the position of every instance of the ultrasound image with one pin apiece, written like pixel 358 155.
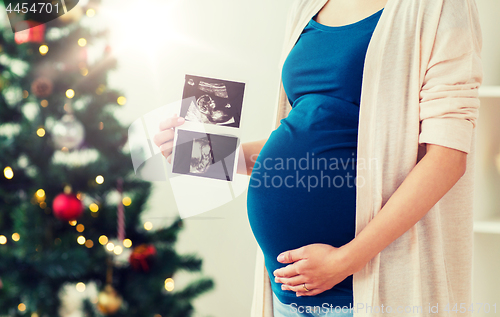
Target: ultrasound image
pixel 205 154
pixel 201 156
pixel 218 102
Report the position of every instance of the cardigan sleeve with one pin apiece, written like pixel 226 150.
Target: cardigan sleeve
pixel 449 99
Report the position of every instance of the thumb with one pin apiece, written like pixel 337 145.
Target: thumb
pixel 291 255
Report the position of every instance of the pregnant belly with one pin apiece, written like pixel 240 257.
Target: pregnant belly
pixel 302 188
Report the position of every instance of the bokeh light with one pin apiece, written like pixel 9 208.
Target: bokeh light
pixel 40 132
pixel 44 49
pixel 70 93
pixel 118 250
pixel 121 100
pixel 148 226
pixel 99 179
pixel 16 237
pixel 90 12
pixel 80 287
pixel 3 239
pixel 169 284
pixel 126 201
pixel 110 246
pixel 8 172
pixel 40 193
pixel 93 207
pixel 81 240
pixel 82 42
pixel 103 240
pixel 127 243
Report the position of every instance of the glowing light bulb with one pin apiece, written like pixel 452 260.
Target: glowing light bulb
pixel 93 207
pixel 44 49
pixel 118 250
pixel 110 246
pixel 40 132
pixel 16 236
pixel 40 193
pixel 127 243
pixel 169 284
pixel 72 222
pixel 148 226
pixel 126 201
pixel 80 287
pixel 81 240
pixel 8 172
pixel 70 93
pixel 99 179
pixel 90 12
pixel 103 240
pixel 82 42
pixel 121 100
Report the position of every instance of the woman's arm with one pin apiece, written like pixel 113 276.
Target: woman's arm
pixel 325 266
pixel 250 152
pixel 435 174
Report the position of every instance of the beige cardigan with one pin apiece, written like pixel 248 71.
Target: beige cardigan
pixel 420 85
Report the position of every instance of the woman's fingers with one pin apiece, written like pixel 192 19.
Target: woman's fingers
pixel 163 137
pixel 300 290
pixel 167 130
pixel 166 148
pixel 292 281
pixel 171 122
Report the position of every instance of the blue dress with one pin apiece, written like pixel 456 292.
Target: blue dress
pixel 303 189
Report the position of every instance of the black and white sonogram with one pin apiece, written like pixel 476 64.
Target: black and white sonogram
pixel 205 154
pixel 218 101
pixel 201 156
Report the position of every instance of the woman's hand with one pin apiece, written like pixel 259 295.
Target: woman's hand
pixel 165 138
pixel 319 266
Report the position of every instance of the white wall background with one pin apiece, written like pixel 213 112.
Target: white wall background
pixel 227 39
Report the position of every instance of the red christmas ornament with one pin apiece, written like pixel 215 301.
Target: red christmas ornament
pixel 67 207
pixel 141 257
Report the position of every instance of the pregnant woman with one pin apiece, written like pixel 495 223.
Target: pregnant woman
pixel 360 199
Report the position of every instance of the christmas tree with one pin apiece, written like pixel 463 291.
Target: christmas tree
pixel 70 203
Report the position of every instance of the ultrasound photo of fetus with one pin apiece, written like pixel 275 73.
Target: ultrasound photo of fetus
pixel 205 155
pixel 218 102
pixel 201 156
